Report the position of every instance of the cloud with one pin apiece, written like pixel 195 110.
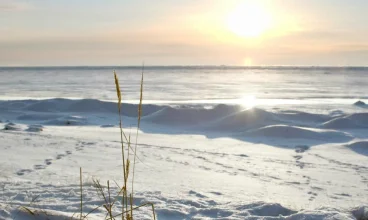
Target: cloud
pixel 11 5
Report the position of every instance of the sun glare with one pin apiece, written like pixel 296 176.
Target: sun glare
pixel 249 20
pixel 249 101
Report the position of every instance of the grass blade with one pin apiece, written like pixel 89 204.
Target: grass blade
pixel 81 192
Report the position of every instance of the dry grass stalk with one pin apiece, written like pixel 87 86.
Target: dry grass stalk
pixel 108 204
pixel 127 200
pixel 81 193
pixel 127 205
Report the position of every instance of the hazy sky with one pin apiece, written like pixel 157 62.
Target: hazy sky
pixel 183 32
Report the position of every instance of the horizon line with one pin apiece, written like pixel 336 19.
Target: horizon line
pixel 186 66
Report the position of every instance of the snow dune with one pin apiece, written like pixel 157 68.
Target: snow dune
pixel 360 147
pixel 196 161
pixel 187 115
pixel 227 119
pixel 284 131
pixel 352 121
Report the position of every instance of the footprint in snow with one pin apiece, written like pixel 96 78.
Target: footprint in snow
pixel 191 192
pixel 343 194
pixel 293 183
pixel 301 148
pixel 88 143
pixel 23 171
pixel 79 148
pixel 39 167
pixel 300 164
pixel 59 156
pixel 308 180
pixel 316 188
pixel 48 161
pixel 312 193
pixel 216 193
pixel 205 168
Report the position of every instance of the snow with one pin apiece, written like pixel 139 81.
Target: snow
pixel 357 120
pixel 258 163
pixel 360 147
pixel 360 103
pixel 12 127
pixel 300 153
pixel 285 131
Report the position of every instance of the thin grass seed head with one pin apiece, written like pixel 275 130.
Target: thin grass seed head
pixel 117 88
pixel 127 168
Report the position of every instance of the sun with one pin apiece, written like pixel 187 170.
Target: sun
pixel 248 20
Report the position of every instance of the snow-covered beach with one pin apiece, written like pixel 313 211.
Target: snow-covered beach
pixel 215 142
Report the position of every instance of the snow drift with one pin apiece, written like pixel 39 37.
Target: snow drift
pixel 360 147
pixel 227 119
pixel 292 132
pixel 352 121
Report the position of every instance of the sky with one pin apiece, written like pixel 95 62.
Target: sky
pixel 183 32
